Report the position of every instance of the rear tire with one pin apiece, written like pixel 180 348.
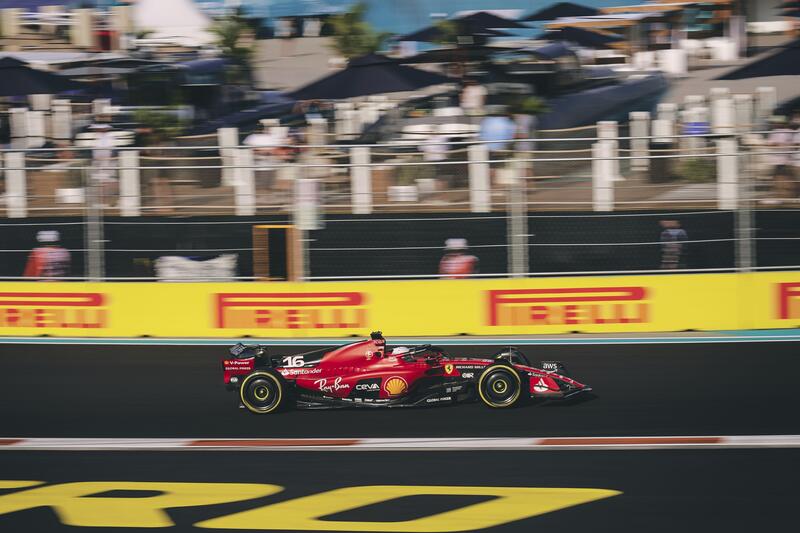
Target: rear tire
pixel 500 387
pixel 263 392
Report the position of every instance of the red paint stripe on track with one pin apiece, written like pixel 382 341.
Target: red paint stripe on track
pixel 226 443
pixel 8 442
pixel 627 441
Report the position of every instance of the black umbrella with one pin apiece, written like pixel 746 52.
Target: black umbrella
pixel 435 33
pixel 784 62
pixel 789 5
pixel 18 79
pixel 581 37
pixel 561 10
pixel 455 55
pixel 489 20
pixel 79 72
pixel 370 74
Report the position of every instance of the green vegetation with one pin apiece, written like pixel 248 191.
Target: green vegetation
pixel 234 38
pixel 159 126
pixel 353 36
pixel 698 169
pixel 529 105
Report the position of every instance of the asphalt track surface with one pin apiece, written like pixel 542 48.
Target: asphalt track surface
pixel 665 490
pixel 125 391
pixel 147 391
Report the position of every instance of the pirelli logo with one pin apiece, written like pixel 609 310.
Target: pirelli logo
pixel 586 305
pixel 291 310
pixel 788 300
pixel 77 310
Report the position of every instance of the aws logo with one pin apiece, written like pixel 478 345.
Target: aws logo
pixel 90 504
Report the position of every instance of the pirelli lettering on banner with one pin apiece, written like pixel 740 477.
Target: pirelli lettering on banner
pixel 312 310
pixel 788 301
pixel 590 305
pixel 78 310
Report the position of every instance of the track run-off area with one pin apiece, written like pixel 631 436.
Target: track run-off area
pixel 145 436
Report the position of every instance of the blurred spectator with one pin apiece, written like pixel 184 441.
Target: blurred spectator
pixel 497 129
pixel 49 260
pixel 673 247
pixel 473 98
pixel 780 141
pixel 456 263
pixel 434 151
pixel 103 161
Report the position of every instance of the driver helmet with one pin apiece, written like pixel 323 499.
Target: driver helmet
pixel 400 350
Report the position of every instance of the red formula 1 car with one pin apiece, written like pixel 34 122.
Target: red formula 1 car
pixel 363 374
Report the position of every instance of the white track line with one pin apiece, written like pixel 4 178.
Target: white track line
pixel 401 444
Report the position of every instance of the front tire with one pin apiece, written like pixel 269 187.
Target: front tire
pixel 500 387
pixel 262 392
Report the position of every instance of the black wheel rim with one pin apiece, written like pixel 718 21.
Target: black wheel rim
pixel 500 388
pixel 262 393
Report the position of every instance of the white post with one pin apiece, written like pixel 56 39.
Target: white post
pixel 640 127
pixel 16 185
pixel 81 28
pixel 245 183
pixel 53 11
pixel 36 129
pixel 130 194
pixel 18 122
pixel 609 130
pixel 480 185
pixel 766 102
pixel 668 111
pixel 9 22
pixel 228 140
pixel 40 102
pixel 727 174
pixel 360 180
pixel 719 93
pixel 744 112
pixel 100 107
pixel 344 120
pixel 692 101
pixel 317 130
pixel 61 117
pixel 723 116
pixel 602 180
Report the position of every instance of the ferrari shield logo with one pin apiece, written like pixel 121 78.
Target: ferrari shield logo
pixel 448 369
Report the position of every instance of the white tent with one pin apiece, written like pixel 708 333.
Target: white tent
pixel 179 21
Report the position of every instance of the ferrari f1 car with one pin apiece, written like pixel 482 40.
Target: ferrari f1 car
pixel 364 374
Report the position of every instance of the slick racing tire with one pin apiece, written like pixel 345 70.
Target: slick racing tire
pixel 263 392
pixel 500 387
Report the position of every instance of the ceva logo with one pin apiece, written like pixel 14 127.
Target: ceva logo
pixel 53 310
pixel 290 310
pixel 562 306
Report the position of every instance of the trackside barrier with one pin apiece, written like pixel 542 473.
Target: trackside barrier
pixel 609 304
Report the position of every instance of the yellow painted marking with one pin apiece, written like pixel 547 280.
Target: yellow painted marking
pixel 511 503
pixel 74 508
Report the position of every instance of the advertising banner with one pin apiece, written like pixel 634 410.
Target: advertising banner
pixel 608 304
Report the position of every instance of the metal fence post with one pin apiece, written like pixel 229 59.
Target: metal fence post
pixel 480 188
pixel 640 144
pixel 129 184
pixel 18 124
pixel 360 180
pixel 745 224
pixel 244 182
pixel 745 115
pixel 727 174
pixel 228 140
pixel 608 130
pixel 602 176
pixel 766 102
pixel 61 121
pixel 16 185
pixel 95 243
pixel 723 116
pixel 517 230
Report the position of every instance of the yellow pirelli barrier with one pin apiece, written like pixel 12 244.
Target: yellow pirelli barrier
pixel 608 304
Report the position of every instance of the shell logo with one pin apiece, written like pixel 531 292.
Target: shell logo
pixel 395 386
